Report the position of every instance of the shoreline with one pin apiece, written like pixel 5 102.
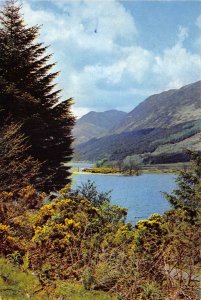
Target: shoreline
pixel 148 169
pixel 121 174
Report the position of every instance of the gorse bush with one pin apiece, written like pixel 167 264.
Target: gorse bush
pixel 70 239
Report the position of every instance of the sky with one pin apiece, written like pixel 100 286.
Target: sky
pixel 113 54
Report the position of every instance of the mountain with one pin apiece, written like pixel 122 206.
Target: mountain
pixel 165 109
pixel 96 124
pixel 158 130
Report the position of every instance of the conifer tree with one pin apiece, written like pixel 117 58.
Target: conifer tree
pixel 28 95
pixel 188 194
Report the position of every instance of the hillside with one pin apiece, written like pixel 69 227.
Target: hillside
pixel 96 124
pixel 159 130
pixel 165 109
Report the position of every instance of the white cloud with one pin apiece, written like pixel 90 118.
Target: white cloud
pixel 53 29
pixel 198 23
pixel 87 29
pixel 102 63
pixel 177 66
pixel 182 34
pixel 88 23
pixel 134 62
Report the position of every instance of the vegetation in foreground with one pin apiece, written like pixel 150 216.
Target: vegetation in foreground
pixel 79 237
pixel 18 284
pixel 75 244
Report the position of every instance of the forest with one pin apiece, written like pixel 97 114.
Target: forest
pixel 57 242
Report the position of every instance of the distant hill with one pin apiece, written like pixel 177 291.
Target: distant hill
pixel 165 109
pixel 96 124
pixel 158 130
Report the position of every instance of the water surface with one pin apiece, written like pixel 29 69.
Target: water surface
pixel 141 195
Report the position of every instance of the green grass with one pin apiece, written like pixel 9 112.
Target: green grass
pixel 16 284
pixel 71 291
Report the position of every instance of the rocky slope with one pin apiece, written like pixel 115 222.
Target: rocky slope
pixel 165 109
pixel 96 124
pixel 158 130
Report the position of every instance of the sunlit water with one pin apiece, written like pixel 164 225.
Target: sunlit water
pixel 141 195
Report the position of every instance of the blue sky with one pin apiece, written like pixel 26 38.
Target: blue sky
pixel 114 54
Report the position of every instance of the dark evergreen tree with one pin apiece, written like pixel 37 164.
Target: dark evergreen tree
pixel 28 95
pixel 188 194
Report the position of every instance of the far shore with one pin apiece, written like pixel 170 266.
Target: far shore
pixel 142 169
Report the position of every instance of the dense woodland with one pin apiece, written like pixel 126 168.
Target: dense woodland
pixel 76 245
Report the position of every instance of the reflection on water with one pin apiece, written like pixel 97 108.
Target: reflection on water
pixel 141 195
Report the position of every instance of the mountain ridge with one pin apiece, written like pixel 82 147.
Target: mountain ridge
pixel 146 113
pixel 171 120
pixel 96 124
